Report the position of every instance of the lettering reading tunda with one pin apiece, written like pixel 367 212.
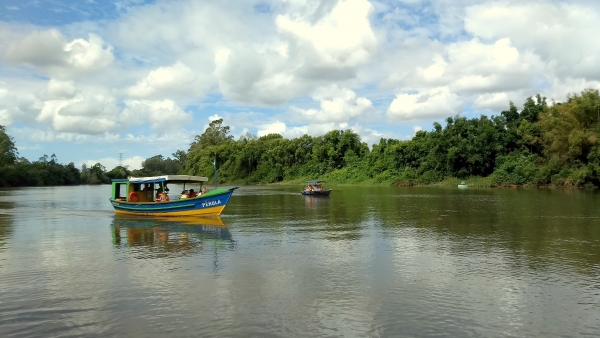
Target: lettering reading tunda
pixel 211 203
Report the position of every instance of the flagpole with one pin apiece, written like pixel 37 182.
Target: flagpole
pixel 215 167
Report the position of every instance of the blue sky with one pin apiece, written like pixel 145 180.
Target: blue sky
pixel 87 80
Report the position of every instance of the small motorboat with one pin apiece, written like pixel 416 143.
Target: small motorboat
pixel 315 188
pixel 463 185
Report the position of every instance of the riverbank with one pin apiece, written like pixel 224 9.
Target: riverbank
pixel 449 182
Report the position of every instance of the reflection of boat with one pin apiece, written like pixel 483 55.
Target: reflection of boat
pixel 463 185
pixel 314 188
pixel 140 196
pixel 172 234
pixel 316 201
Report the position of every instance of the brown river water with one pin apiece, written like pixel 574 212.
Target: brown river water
pixel 365 262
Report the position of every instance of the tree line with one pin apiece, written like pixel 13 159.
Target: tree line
pixel 17 171
pixel 539 144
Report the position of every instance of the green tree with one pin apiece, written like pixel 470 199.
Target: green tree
pixel 8 151
pixel 118 172
pixel 214 135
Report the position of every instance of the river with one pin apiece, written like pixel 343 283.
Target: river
pixel 365 262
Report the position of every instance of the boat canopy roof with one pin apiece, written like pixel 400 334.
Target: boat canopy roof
pixel 315 181
pixel 168 178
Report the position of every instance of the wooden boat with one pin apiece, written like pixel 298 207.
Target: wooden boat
pixel 313 188
pixel 138 196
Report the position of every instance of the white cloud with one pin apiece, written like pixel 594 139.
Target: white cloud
pixel 164 81
pixel 325 45
pixel 85 114
pixel 341 39
pixel 16 107
pixel 434 103
pixel 560 33
pixel 57 89
pixel 50 51
pixel 475 67
pixel 160 115
pixel 345 59
pixel 271 128
pixel 336 105
pixel 496 101
pixel 214 117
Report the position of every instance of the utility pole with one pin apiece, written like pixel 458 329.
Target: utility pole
pixel 120 159
pixel 215 167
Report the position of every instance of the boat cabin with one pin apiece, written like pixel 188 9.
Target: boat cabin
pixel 314 185
pixel 146 189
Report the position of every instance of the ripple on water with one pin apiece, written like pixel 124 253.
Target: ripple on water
pixel 374 262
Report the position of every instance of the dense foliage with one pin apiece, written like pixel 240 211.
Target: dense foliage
pixel 539 144
pixel 46 171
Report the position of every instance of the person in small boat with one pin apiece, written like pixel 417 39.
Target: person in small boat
pixel 203 191
pixel 319 187
pixel 309 188
pixel 192 193
pixel 184 194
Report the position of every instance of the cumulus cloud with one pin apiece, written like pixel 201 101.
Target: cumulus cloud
pixel 560 33
pixel 160 115
pixel 327 44
pixel 341 39
pixel 496 101
pixel 336 105
pixel 318 65
pixel 214 117
pixel 272 128
pixel 85 113
pixel 56 89
pixel 164 81
pixel 437 102
pixel 17 106
pixel 50 51
pixel 475 67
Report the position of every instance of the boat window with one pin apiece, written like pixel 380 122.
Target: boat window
pixel 136 187
pixel 121 190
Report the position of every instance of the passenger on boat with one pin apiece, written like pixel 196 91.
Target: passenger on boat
pixel 203 191
pixel 163 197
pixel 192 193
pixel 310 188
pixel 160 189
pixel 184 194
pixel 320 187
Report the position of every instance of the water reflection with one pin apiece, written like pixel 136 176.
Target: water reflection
pixel 178 236
pixel 6 223
pixel 368 261
pixel 316 201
